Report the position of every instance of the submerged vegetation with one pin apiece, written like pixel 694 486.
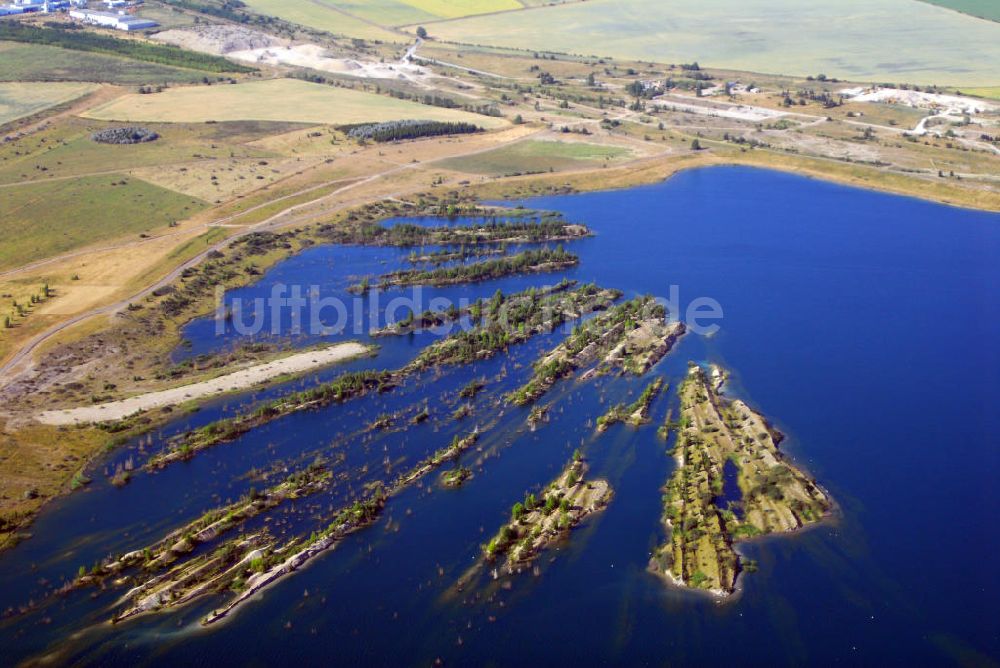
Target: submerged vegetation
pixel 714 433
pixel 346 386
pixel 249 562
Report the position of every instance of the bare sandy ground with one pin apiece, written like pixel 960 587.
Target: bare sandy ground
pixel 239 380
pixel 953 104
pixel 740 112
pixel 258 48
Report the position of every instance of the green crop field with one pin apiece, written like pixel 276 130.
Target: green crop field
pixel 989 91
pixel 37 62
pixel 986 9
pixel 18 100
pixel 535 156
pixel 275 100
pixel 870 40
pixel 45 219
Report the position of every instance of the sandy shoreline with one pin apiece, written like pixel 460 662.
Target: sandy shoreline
pixel 238 380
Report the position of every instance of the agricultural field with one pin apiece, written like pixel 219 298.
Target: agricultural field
pixel 988 91
pixel 322 16
pixel 275 100
pixel 402 12
pixel 45 219
pixel 984 9
pixel 18 100
pixel 864 40
pixel 39 62
pixel 539 156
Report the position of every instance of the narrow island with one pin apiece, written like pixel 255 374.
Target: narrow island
pixel 476 313
pixel 247 563
pixel 502 320
pixel 346 386
pixel 731 484
pixel 632 337
pixel 636 413
pixel 516 228
pixel 539 521
pixel 538 261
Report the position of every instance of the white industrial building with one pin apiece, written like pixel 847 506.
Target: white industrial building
pixel 110 20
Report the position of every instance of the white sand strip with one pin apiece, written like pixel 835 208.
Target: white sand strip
pixel 239 380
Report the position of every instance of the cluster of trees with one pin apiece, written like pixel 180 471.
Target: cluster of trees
pixel 84 40
pixel 554 500
pixel 124 135
pixel 21 310
pixel 409 129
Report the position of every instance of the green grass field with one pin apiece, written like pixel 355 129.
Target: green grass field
pixel 535 156
pixel 989 91
pixel 275 100
pixel 46 219
pixel 18 100
pixel 37 62
pixel 871 40
pixel 985 9
pixel 68 150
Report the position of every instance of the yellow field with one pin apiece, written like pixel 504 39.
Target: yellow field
pixel 322 17
pixel 402 12
pixel 452 9
pixel 18 100
pixel 275 100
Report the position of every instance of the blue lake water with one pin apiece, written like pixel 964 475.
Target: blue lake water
pixel 864 325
